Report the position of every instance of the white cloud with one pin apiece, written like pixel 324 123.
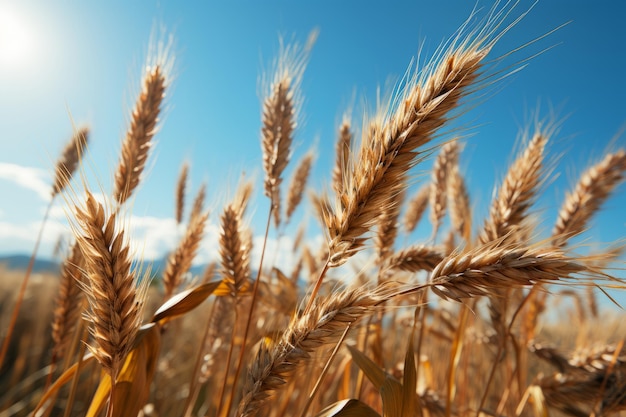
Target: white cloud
pixel 20 238
pixel 34 179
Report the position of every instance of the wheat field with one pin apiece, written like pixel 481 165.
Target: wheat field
pixel 466 321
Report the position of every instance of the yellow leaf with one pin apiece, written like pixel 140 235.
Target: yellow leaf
pixel 184 302
pixel 63 379
pixel 372 371
pixel 348 408
pixel 391 393
pixel 132 386
pixel 409 382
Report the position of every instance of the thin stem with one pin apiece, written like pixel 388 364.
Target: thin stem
pixel 193 384
pixel 110 412
pixel 72 395
pixel 491 375
pixel 233 334
pixel 255 292
pixel 316 289
pixel 22 292
pixel 324 372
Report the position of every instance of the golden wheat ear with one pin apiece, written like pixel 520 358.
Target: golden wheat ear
pixel 416 207
pixel 181 187
pixel 447 158
pixel 298 184
pixel 143 127
pixel 393 147
pixel 70 159
pixel 342 161
pixel 115 293
pixel 281 108
pixel 593 188
pixel 179 262
pixel 518 191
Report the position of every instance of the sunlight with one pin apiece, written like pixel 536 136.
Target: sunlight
pixel 17 41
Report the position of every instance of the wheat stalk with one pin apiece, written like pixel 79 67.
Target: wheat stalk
pixel 235 248
pixel 517 192
pixel 593 188
pixel 279 120
pixel 298 184
pixel 460 207
pixel 198 203
pixel 387 229
pixel 181 186
pixel 138 140
pixel 447 158
pixel 414 258
pixel 383 161
pixel 324 324
pixel 68 302
pixel 115 295
pixel 416 208
pixel 487 269
pixel 69 160
pixel 344 144
pixel 181 259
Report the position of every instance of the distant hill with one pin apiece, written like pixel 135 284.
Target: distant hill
pixel 20 262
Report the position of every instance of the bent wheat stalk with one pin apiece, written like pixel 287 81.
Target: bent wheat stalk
pixel 490 268
pixel 324 324
pixel 385 159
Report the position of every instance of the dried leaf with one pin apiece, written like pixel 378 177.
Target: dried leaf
pixel 185 301
pixel 132 388
pixel 391 393
pixel 348 408
pixel 371 370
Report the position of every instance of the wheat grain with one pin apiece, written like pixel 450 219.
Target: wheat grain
pixel 279 120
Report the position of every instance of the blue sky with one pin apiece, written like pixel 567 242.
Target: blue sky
pixel 82 60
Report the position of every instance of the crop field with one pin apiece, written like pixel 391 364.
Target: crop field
pixel 488 316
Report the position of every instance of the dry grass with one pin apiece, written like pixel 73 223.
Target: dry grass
pixel 434 328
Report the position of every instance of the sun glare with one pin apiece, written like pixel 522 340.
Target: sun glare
pixel 16 40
